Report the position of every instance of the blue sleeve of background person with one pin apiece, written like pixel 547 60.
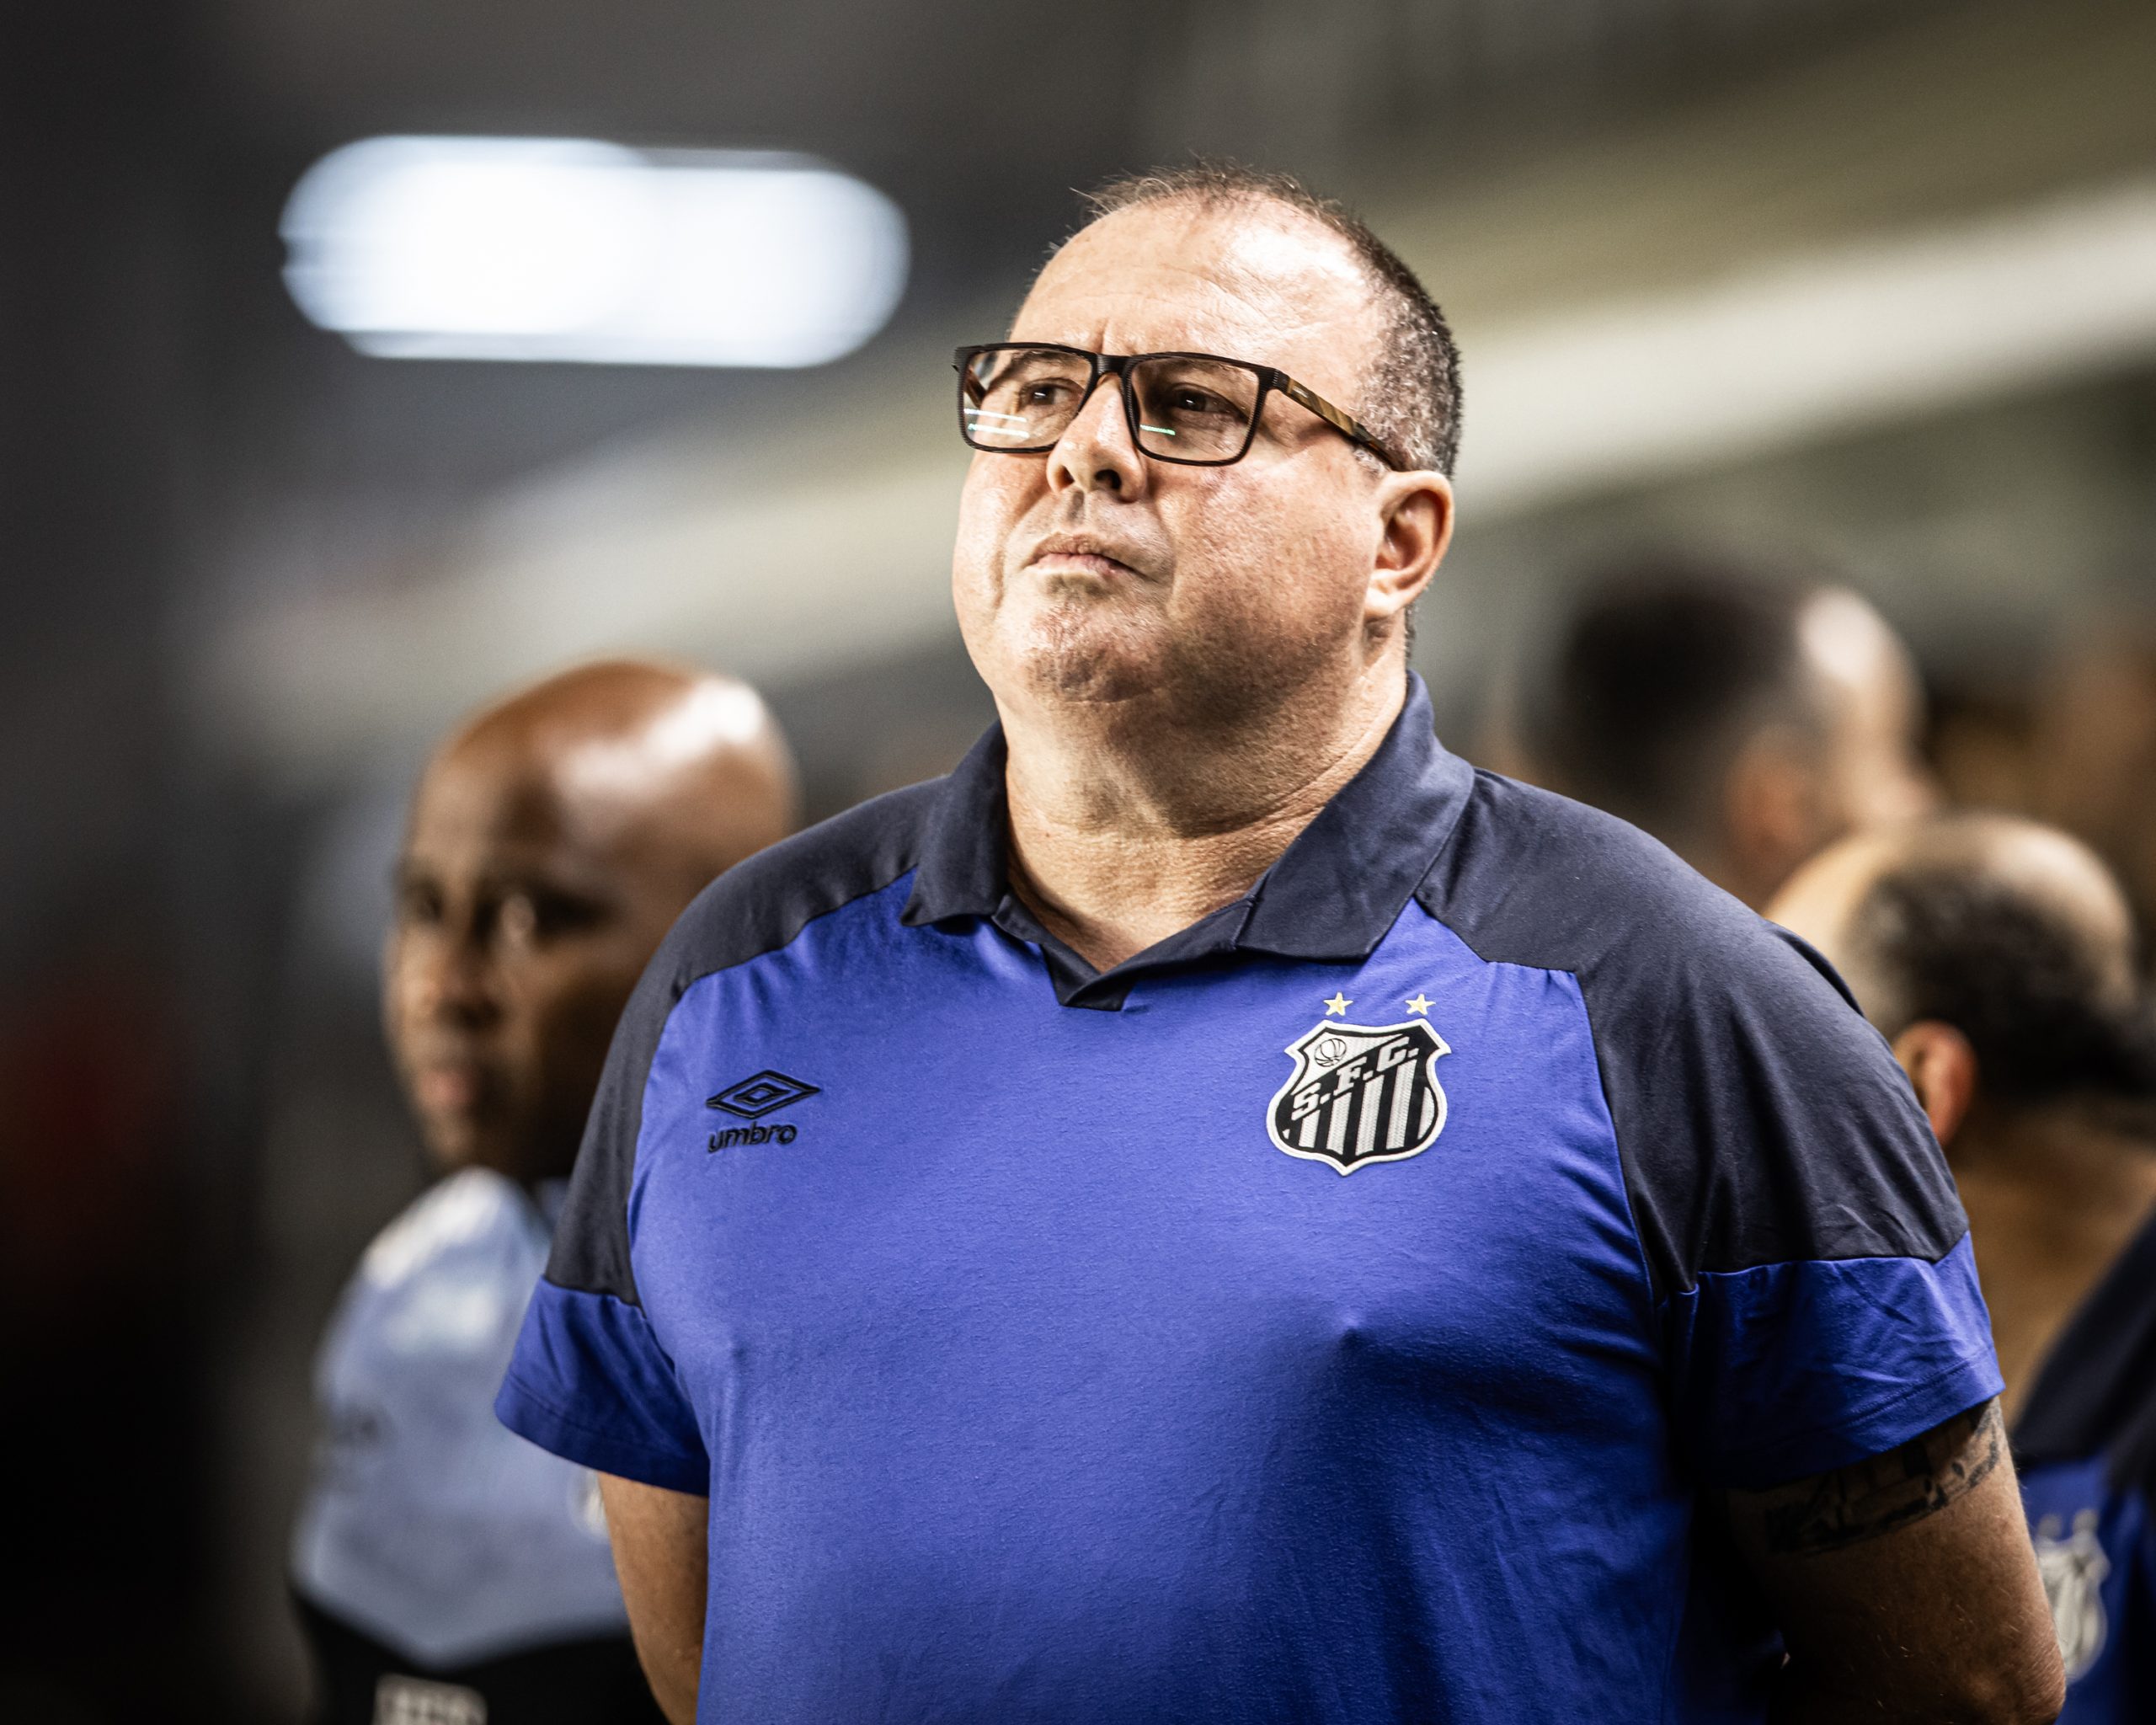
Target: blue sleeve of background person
pixel 1808 1253
pixel 590 1379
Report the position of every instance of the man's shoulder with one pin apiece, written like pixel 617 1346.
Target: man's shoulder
pixel 471 1207
pixel 441 1279
pixel 1533 878
pixel 762 904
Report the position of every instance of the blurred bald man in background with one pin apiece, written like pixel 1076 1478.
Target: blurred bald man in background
pixel 1998 958
pixel 1744 724
pixel 447 1572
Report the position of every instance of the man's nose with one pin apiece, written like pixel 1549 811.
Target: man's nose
pixel 456 981
pixel 1096 452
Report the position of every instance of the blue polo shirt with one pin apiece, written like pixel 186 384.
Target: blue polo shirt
pixel 2086 1447
pixel 1333 1313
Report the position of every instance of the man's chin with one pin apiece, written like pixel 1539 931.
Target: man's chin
pixel 1076 654
pixel 453 1145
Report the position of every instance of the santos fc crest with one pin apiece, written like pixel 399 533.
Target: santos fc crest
pixel 1361 1094
pixel 2073 1570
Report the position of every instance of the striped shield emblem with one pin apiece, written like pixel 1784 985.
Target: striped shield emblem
pixel 1361 1094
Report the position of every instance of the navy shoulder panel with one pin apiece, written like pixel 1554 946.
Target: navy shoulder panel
pixel 757 906
pixel 761 904
pixel 1759 1118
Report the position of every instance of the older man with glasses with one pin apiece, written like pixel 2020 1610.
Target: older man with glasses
pixel 1219 1211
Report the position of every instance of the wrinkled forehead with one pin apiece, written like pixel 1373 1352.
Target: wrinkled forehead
pixel 1247 280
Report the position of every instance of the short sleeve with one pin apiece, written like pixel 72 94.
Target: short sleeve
pixel 1815 1299
pixel 1789 1369
pixel 589 1379
pixel 1818 1293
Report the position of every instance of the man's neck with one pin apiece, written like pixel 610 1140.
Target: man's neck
pixel 1128 825
pixel 2052 1198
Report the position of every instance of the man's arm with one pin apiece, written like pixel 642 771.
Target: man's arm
pixel 1906 1587
pixel 660 1553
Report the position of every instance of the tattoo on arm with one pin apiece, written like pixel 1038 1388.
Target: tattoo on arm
pixel 1874 1496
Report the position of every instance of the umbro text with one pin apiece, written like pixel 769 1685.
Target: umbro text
pixel 750 1134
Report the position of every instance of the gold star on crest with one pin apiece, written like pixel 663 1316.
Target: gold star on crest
pixel 1420 1003
pixel 1337 1004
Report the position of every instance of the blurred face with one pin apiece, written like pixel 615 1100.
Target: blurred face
pixel 2095 755
pixel 1871 774
pixel 519 930
pixel 1093 574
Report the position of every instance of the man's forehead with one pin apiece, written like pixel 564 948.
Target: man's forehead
pixel 1249 279
pixel 477 791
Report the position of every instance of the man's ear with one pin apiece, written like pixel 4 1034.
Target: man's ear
pixel 1416 517
pixel 1943 1067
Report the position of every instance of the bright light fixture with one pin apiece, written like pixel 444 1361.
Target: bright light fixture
pixel 567 249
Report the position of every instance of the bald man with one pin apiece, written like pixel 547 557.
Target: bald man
pixel 1743 723
pixel 447 1572
pixel 1997 956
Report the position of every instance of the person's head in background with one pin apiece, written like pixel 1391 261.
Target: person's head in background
pixel 1997 957
pixel 1743 723
pixel 2093 752
pixel 555 838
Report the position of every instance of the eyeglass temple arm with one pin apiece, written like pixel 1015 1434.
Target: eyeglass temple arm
pixel 1344 423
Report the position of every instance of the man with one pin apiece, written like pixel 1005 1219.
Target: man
pixel 1998 956
pixel 1252 1219
pixel 1744 724
pixel 447 1572
pixel 2093 753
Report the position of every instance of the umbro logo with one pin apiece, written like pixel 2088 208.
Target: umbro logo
pixel 766 1093
pixel 751 1098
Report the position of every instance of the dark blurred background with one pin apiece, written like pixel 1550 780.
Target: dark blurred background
pixel 1865 288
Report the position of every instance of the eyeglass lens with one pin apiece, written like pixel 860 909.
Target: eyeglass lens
pixel 1024 398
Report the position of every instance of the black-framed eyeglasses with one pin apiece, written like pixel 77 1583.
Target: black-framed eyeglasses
pixel 1018 397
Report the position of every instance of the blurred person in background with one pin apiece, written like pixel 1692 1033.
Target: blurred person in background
pixel 2092 752
pixel 1997 957
pixel 446 1571
pixel 1743 723
pixel 1217 1210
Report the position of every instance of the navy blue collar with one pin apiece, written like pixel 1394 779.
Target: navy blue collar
pixel 1330 898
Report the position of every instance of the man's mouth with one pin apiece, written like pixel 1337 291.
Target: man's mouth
pixel 448 1086
pixel 1065 554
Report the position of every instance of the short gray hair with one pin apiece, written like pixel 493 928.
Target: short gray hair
pixel 1413 408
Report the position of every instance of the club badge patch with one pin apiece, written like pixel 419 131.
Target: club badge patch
pixel 1360 1094
pixel 2073 1570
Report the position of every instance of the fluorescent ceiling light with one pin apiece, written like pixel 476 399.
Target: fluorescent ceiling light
pixel 648 554
pixel 560 248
